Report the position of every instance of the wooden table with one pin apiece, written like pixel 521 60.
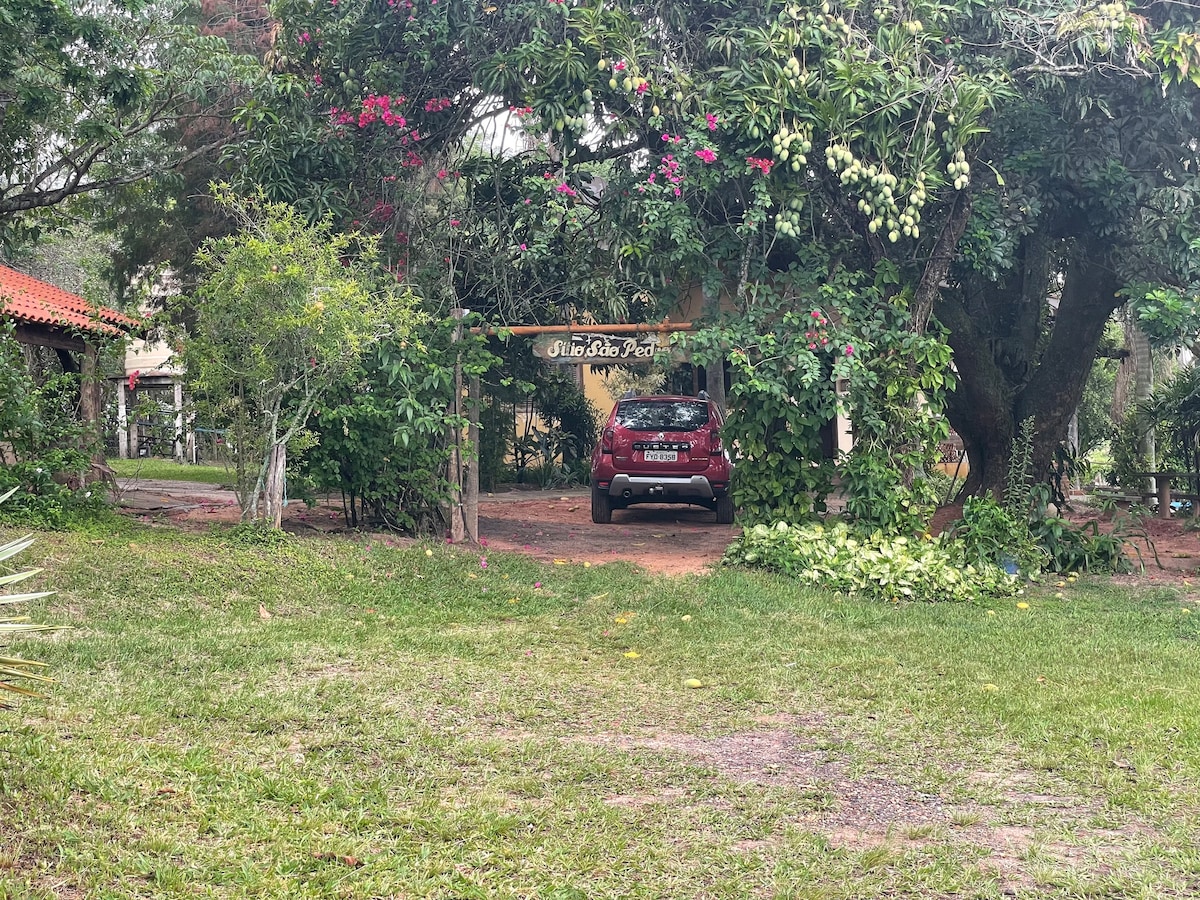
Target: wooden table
pixel 1162 481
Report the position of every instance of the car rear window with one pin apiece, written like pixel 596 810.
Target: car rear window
pixel 664 415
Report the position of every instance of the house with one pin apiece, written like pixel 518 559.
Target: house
pixel 75 328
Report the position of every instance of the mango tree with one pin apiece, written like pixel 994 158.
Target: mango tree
pixel 1008 174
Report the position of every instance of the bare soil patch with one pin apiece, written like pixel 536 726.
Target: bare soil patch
pixel 872 811
pixel 663 538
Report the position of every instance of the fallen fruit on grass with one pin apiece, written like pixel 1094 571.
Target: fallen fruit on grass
pixel 693 683
pixel 685 618
pixel 1022 605
pixel 428 552
pixel 990 688
pixel 632 654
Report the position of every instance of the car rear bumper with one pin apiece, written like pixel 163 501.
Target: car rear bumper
pixel 631 488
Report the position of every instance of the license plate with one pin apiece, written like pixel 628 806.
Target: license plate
pixel 661 456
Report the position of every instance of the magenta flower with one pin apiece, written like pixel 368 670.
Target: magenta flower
pixel 483 562
pixel 537 584
pixel 707 155
pixel 711 120
pixel 849 350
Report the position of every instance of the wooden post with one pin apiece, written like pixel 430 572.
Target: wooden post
pixel 178 448
pixel 122 422
pixel 471 487
pixel 1164 495
pixel 454 437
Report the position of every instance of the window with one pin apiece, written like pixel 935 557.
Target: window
pixel 662 415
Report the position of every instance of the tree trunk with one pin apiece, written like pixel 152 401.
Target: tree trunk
pixel 1008 374
pixel 273 488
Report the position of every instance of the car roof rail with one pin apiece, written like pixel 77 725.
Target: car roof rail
pixel 703 395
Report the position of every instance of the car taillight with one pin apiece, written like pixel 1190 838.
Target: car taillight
pixel 606 441
pixel 715 447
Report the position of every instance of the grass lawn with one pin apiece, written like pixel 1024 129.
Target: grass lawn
pixel 169 470
pixel 329 719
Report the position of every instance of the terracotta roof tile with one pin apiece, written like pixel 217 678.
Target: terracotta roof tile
pixel 27 299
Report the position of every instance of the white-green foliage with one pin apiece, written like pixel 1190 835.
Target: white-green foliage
pixel 884 567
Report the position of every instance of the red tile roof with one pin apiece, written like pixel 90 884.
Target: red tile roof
pixel 26 299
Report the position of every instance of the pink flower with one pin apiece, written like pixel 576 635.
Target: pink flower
pixel 523 248
pixel 537 584
pixel 643 87
pixel 849 350
pixel 711 120
pixel 763 165
pixel 565 188
pixel 454 223
pixel 619 66
pixel 707 155
pixel 812 346
pixel 483 562
pixel 441 173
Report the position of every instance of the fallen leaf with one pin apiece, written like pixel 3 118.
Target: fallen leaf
pixel 263 612
pixel 352 861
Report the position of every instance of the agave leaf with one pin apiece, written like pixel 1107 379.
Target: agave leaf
pixel 24 692
pixel 15 546
pixel 17 661
pixel 24 626
pixel 15 668
pixel 19 576
pixel 7 672
pixel 16 598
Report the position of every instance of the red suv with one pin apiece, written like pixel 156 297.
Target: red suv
pixel 661 450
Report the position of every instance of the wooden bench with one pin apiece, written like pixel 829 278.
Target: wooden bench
pixel 1163 480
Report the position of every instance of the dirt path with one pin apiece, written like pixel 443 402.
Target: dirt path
pixel 670 540
pixel 661 538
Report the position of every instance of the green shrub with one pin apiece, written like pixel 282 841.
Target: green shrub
pixel 871 564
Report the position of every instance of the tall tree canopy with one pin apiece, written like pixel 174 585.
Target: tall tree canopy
pixel 1011 173
pixel 96 95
